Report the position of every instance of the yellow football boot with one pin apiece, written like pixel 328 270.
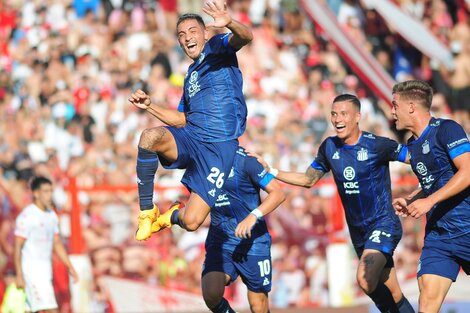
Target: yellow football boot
pixel 146 218
pixel 164 220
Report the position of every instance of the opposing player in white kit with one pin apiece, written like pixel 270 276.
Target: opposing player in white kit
pixel 36 236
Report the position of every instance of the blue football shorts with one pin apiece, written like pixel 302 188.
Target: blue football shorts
pixel 444 257
pixel 383 237
pixel 254 270
pixel 207 164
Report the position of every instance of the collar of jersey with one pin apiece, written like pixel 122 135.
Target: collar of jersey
pixel 426 130
pixel 352 146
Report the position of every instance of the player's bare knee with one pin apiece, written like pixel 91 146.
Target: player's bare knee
pixel 152 137
pixel 427 299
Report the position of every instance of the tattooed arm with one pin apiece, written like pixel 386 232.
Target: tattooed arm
pixel 307 179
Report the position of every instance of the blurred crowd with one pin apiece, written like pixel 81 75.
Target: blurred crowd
pixel 68 67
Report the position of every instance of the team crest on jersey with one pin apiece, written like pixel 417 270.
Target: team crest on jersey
pixel 336 156
pixel 201 57
pixel 194 86
pixel 425 147
pixel 362 155
pixel 398 148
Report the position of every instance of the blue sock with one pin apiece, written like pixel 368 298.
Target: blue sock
pixel 383 299
pixel 174 219
pixel 147 164
pixel 222 307
pixel 404 306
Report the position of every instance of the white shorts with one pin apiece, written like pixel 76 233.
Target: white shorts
pixel 39 291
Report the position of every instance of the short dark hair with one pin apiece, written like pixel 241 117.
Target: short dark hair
pixel 38 181
pixel 190 16
pixel 416 90
pixel 348 97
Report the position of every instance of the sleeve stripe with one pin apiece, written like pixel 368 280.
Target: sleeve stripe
pixel 459 150
pixel 226 37
pixel 317 166
pixel 266 180
pixel 147 160
pixel 403 153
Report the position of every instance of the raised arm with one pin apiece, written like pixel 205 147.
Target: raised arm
pixel 241 35
pixel 170 117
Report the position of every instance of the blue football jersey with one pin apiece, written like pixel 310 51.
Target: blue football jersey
pixel 362 176
pixel 212 98
pixel 239 197
pixel 431 159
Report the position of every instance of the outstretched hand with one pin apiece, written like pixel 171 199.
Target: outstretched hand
pixel 218 12
pixel 140 99
pixel 259 158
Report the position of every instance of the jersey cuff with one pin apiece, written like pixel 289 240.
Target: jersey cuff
pixel 403 153
pixel 317 166
pixel 459 150
pixel 266 180
pixel 225 38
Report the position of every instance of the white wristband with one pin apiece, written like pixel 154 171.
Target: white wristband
pixel 257 212
pixel 274 171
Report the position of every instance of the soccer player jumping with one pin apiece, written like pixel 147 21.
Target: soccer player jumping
pixel 201 135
